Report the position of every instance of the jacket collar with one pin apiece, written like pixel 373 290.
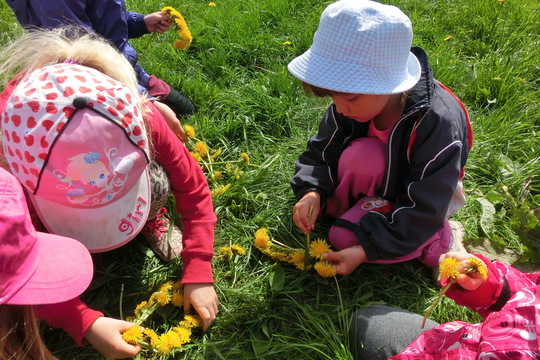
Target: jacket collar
pixel 421 94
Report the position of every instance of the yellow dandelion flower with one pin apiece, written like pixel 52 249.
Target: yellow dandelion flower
pixel 262 240
pixel 190 131
pixel 448 38
pixel 152 336
pixel 300 265
pixel 211 4
pixel 238 250
pixel 165 287
pixel 216 154
pixel 184 34
pixel 177 298
pixel 177 285
pixel 449 268
pixel 225 251
pixel 475 265
pixel 183 332
pixel 174 338
pixel 191 321
pixel 162 298
pixel 201 148
pixel 286 43
pixel 140 307
pixel 245 158
pixel 164 345
pixel 278 255
pixel 297 257
pixel 220 190
pixel 133 335
pixel 496 78
pixel 324 269
pixel 318 247
pixel 217 175
pixel 196 156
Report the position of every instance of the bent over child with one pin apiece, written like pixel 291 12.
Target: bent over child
pixel 97 159
pixel 389 155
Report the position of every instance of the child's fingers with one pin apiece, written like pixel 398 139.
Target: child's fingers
pixel 470 281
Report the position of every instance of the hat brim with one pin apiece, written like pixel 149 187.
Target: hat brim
pixel 355 78
pixel 102 228
pixel 64 270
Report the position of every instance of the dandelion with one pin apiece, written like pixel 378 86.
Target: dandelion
pixel 191 321
pixel 318 247
pixel 184 333
pixel 449 268
pixel 286 43
pixel 133 335
pixel 217 175
pixel 324 269
pixel 201 148
pixel 152 336
pixel 238 250
pixel 140 307
pixel 297 257
pixel 196 156
pixel 162 298
pixel 475 265
pixel 448 38
pixel 211 4
pixel 216 154
pixel 262 240
pixel 164 345
pixel 177 298
pixel 190 131
pixel 245 158
pixel 184 35
pixel 226 251
pixel 220 190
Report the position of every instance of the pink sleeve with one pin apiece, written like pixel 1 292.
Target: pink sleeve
pixel 73 316
pixel 192 198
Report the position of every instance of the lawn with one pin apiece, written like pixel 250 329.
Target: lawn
pixel 235 71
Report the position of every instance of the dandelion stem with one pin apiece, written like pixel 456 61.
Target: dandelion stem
pixel 282 244
pixel 441 293
pixel 306 253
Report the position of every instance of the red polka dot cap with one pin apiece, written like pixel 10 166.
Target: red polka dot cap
pixel 76 140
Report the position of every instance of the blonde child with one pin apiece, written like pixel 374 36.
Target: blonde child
pixel 76 98
pixel 389 155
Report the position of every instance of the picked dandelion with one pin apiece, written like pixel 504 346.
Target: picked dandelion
pixel 262 239
pixel 306 249
pixel 184 35
pixel 450 268
pixel 317 248
pixel 324 269
pixel 190 131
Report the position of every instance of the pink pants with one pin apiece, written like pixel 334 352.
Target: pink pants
pixel 360 173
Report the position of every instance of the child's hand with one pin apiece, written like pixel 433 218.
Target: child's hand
pixel 172 121
pixel 346 260
pixel 301 215
pixel 157 22
pixel 105 335
pixel 204 299
pixel 468 281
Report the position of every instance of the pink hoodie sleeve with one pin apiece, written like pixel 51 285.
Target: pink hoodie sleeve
pixel 73 316
pixel 192 198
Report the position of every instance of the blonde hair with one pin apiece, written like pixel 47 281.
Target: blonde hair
pixel 41 47
pixel 20 338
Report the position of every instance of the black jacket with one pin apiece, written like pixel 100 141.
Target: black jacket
pixel 426 154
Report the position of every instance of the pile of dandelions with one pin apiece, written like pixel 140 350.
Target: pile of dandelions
pixel 303 259
pixel 170 341
pixel 184 35
pixel 450 268
pixel 221 174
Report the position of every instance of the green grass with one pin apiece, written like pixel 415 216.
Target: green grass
pixel 235 71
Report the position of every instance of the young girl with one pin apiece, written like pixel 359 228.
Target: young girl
pixel 35 269
pixel 391 148
pixel 78 95
pixel 507 300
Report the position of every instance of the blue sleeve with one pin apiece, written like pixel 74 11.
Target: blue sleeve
pixel 136 26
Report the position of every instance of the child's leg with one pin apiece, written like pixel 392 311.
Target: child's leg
pixel 360 172
pixel 378 332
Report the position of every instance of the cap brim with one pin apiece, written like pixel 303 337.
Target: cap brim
pixel 63 272
pixel 101 228
pixel 355 78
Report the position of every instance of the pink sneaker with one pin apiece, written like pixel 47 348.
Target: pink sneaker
pixel 164 237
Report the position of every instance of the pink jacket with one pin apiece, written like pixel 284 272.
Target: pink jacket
pixel 509 301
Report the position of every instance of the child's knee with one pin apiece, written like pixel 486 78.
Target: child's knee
pixel 341 238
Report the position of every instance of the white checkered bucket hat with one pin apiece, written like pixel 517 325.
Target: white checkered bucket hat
pixel 360 47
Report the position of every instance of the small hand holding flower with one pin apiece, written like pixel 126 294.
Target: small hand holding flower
pixel 158 22
pixel 462 269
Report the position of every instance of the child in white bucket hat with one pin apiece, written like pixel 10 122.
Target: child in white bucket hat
pixel 80 139
pixel 389 155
